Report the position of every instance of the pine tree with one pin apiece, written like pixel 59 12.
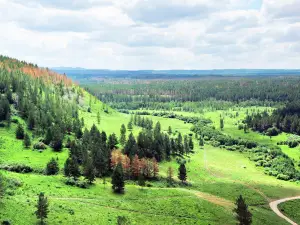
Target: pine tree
pixel 243 215
pixel 170 175
pixel 131 147
pixel 27 141
pixel 141 180
pixel 20 132
pixel 170 130
pixel 98 118
pixel 191 143
pixel 42 208
pixel 71 168
pixel 221 123
pixel 52 167
pixel 123 135
pixel 129 126
pixel 201 142
pixel 118 179
pixel 89 171
pixel 57 138
pixel 112 141
pixel 182 173
pixel 186 145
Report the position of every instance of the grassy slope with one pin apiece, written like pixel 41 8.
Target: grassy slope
pixel 225 178
pixel 291 209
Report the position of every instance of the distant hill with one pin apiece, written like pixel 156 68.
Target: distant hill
pixel 85 75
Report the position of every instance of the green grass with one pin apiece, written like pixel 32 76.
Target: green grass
pixel 291 209
pixel 225 175
pixel 98 205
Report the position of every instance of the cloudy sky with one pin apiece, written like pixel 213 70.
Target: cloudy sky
pixel 152 34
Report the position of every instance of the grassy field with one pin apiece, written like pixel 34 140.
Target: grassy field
pixel 216 176
pixel 291 209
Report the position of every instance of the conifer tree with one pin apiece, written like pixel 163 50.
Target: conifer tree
pixel 201 142
pixel 182 173
pixel 57 138
pixel 20 132
pixel 221 123
pixel 243 215
pixel 169 130
pixel 191 143
pixel 52 167
pixel 27 141
pixel 170 175
pixel 118 179
pixel 98 118
pixel 112 141
pixel 131 147
pixel 123 135
pixel 141 180
pixel 71 168
pixel 129 126
pixel 89 171
pixel 42 208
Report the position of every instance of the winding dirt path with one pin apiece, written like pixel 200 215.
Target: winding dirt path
pixel 274 207
pixel 273 204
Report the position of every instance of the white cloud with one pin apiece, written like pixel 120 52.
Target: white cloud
pixel 152 34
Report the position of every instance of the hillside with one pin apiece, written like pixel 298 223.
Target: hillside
pixel 58 139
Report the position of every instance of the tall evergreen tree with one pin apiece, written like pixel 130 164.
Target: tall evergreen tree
pixel 117 180
pixel 191 143
pixel 27 141
pixel 131 147
pixel 89 171
pixel 71 168
pixel 221 123
pixel 141 180
pixel 123 135
pixel 112 141
pixel 243 215
pixel 170 130
pixel 98 118
pixel 42 208
pixel 182 173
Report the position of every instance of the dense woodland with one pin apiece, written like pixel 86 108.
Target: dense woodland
pixel 190 95
pixel 50 111
pixel 286 119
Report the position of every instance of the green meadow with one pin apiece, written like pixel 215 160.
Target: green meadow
pixel 216 178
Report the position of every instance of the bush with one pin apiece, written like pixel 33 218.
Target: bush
pixel 293 144
pixel 39 146
pixel 17 168
pixel 282 177
pixel 272 131
pixel 78 183
pixel 52 167
pixel 240 126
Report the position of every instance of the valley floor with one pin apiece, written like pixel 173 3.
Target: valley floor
pixel 217 178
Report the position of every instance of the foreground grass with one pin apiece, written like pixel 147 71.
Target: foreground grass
pixel 98 205
pixel 291 209
pixel 214 174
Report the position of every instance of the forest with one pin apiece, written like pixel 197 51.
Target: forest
pixel 219 149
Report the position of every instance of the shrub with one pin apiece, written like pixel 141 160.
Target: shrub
pixel 282 177
pixel 20 132
pixel 293 144
pixel 52 167
pixel 78 183
pixel 272 131
pixel 40 146
pixel 17 168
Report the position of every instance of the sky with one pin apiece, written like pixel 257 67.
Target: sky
pixel 153 34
